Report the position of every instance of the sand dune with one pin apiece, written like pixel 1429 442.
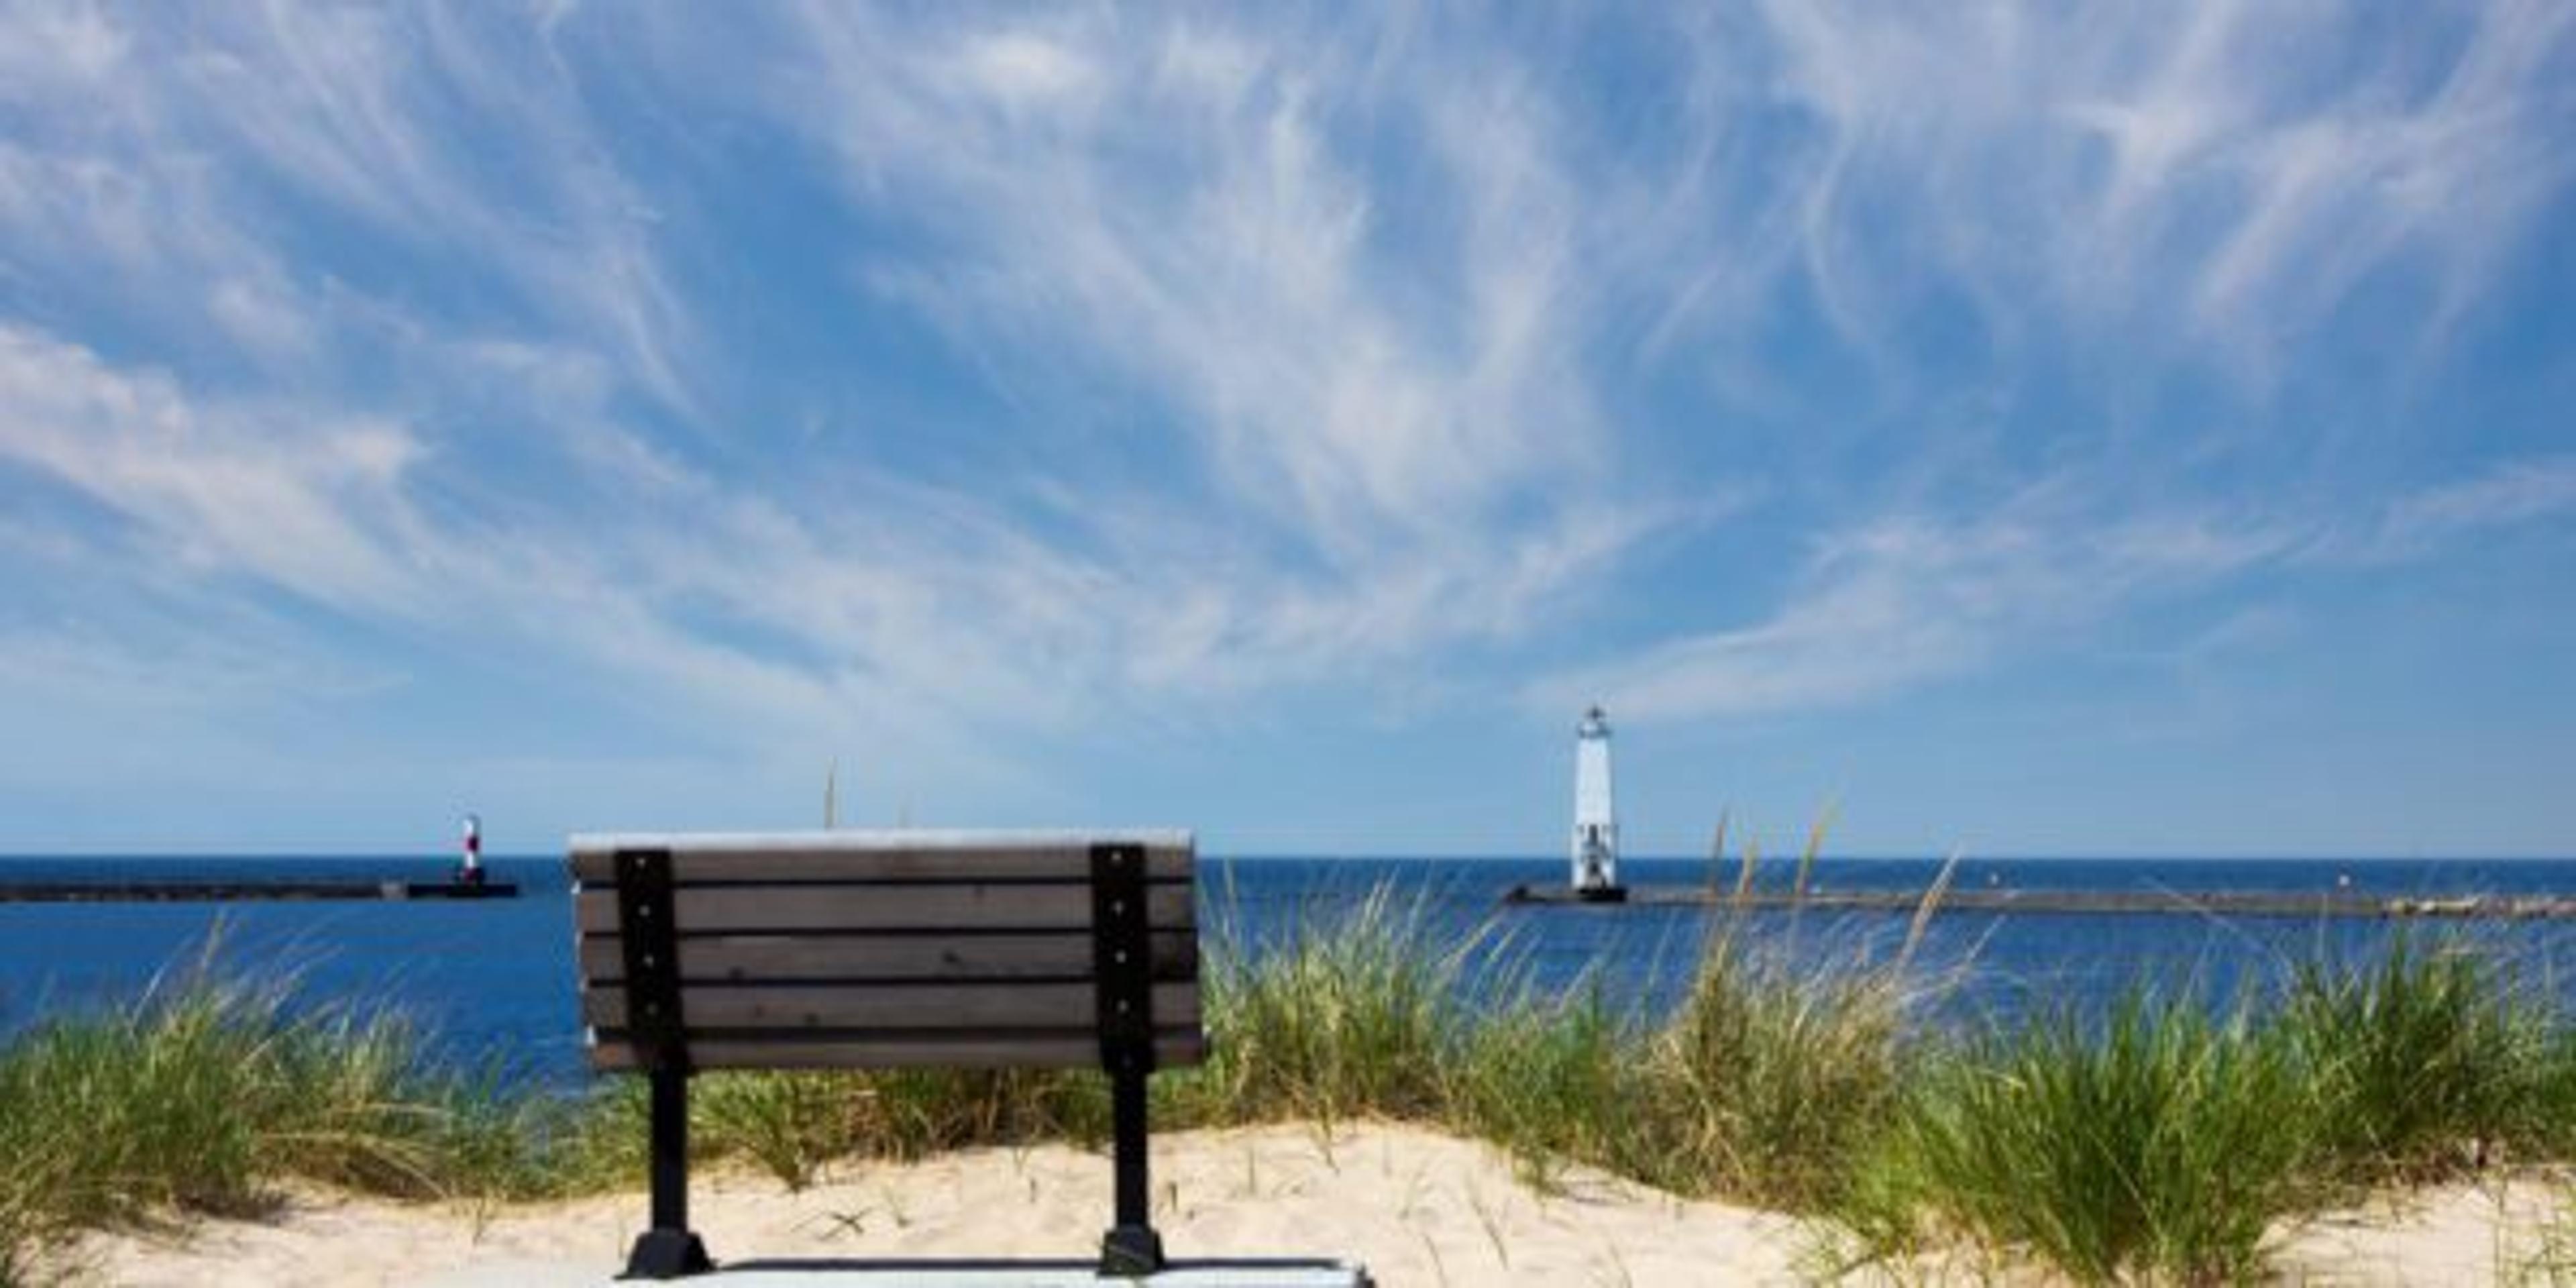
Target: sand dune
pixel 1416 1207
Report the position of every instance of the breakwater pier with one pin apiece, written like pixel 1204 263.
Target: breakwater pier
pixel 2215 903
pixel 246 890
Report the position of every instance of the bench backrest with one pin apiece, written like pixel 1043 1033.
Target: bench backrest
pixel 883 949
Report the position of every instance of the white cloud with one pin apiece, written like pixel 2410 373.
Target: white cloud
pixel 914 608
pixel 48 45
pixel 315 508
pixel 1214 236
pixel 1025 70
pixel 2210 181
pixel 185 157
pixel 213 498
pixel 2200 186
pixel 2507 494
pixel 1895 604
pixel 1403 434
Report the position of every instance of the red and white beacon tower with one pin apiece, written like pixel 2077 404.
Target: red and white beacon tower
pixel 1596 824
pixel 469 866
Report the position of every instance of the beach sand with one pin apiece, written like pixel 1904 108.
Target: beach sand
pixel 1414 1206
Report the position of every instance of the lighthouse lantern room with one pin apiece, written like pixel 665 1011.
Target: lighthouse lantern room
pixel 1596 824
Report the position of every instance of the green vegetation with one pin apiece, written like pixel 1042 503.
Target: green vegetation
pixel 2158 1142
pixel 1783 1072
pixel 792 1124
pixel 1353 1014
pixel 202 1095
pixel 2426 1063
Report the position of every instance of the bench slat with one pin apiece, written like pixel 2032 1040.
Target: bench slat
pixel 821 859
pixel 940 1005
pixel 900 838
pixel 748 958
pixel 707 909
pixel 961 1050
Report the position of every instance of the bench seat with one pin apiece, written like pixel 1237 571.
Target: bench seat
pixel 825 950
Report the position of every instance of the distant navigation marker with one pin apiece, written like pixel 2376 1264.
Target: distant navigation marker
pixel 469 866
pixel 1596 824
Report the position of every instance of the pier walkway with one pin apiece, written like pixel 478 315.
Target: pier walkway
pixel 239 891
pixel 2225 903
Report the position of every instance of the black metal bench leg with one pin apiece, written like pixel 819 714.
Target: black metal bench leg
pixel 1122 965
pixel 1131 1248
pixel 670 1249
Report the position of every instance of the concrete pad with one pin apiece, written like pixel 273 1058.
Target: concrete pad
pixel 953 1273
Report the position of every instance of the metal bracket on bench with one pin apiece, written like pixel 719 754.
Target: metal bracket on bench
pixel 1122 957
pixel 652 946
pixel 1122 966
pixel 655 1026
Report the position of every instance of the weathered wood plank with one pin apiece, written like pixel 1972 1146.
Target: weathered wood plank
pixel 825 857
pixel 1040 1050
pixel 916 838
pixel 998 1006
pixel 748 958
pixel 711 909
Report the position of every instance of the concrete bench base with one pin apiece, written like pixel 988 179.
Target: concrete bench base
pixel 1253 1272
pixel 1238 1273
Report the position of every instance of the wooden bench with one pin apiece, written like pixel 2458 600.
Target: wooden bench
pixel 830 950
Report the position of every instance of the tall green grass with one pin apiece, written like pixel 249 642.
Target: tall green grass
pixel 2163 1142
pixel 1780 1071
pixel 1357 1012
pixel 1557 1080
pixel 1762 1087
pixel 793 1124
pixel 1785 1063
pixel 2157 1142
pixel 2423 1062
pixel 204 1095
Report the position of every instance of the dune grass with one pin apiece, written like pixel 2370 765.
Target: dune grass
pixel 1359 1011
pixel 1781 1070
pixel 2159 1141
pixel 1554 1080
pixel 2424 1062
pixel 793 1123
pixel 1761 1087
pixel 205 1094
pixel 2162 1141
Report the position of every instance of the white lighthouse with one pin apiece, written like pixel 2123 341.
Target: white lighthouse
pixel 1596 824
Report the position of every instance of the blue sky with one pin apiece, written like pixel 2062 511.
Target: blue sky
pixel 2036 428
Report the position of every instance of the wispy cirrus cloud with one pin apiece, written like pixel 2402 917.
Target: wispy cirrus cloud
pixel 260 168
pixel 1190 207
pixel 1358 464
pixel 1893 604
pixel 314 508
pixel 2509 494
pixel 2214 179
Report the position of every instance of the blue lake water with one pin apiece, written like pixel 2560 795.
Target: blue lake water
pixel 493 980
